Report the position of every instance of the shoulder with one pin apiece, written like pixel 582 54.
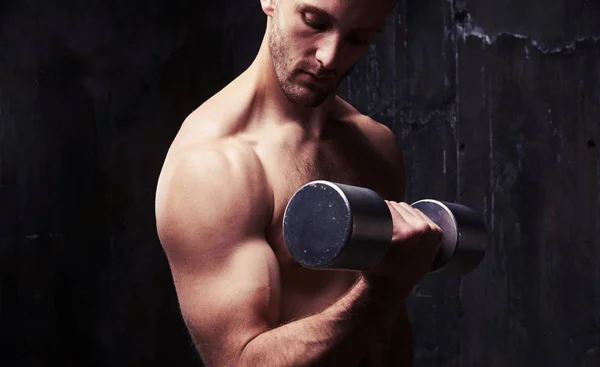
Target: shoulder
pixel 214 181
pixel 381 139
pixel 210 169
pixel 388 147
pixel 376 133
pixel 379 136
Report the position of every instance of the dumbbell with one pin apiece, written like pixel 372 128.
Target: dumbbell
pixel 328 225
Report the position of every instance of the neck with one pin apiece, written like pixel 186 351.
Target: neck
pixel 270 104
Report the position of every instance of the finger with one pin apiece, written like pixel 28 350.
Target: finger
pixel 417 214
pixel 435 235
pixel 437 231
pixel 408 211
pixel 400 211
pixel 412 218
pixel 398 217
pixel 418 217
pixel 402 223
pixel 431 223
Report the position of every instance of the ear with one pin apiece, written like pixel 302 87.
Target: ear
pixel 268 7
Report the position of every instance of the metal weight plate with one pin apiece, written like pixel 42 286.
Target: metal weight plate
pixel 464 236
pixel 337 226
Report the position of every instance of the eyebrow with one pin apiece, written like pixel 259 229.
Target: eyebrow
pixel 323 13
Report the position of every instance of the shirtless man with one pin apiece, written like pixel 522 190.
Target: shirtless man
pixel 232 169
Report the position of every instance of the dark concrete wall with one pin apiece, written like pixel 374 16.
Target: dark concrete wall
pixel 529 111
pixel 496 105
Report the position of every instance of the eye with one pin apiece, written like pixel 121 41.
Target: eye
pixel 313 23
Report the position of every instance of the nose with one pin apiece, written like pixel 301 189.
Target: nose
pixel 328 51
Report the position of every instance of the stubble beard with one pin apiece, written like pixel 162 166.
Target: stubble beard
pixel 305 95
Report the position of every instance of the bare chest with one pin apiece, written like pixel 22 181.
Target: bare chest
pixel 305 291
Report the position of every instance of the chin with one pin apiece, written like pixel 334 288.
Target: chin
pixel 307 98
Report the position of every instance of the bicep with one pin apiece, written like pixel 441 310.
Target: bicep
pixel 228 303
pixel 225 272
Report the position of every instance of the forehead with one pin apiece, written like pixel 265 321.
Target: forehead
pixel 371 12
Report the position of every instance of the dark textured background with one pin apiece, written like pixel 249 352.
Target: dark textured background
pixel 496 105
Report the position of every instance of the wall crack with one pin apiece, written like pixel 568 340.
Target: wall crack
pixel 467 29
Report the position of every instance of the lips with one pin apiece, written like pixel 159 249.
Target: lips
pixel 320 79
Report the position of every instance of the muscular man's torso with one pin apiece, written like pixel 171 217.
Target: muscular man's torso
pixel 341 157
pixel 346 152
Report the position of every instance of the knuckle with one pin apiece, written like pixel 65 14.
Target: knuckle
pixel 423 227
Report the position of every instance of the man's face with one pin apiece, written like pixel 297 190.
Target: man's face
pixel 315 43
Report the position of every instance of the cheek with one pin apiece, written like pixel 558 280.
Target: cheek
pixel 300 39
pixel 292 29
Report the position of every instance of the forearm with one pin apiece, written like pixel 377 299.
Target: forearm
pixel 340 335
